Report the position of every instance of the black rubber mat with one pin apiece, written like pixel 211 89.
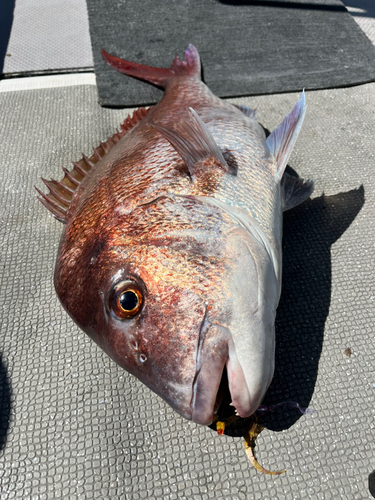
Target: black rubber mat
pixel 247 47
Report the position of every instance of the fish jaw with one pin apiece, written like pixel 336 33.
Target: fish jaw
pixel 250 372
pixel 216 354
pixel 212 357
pixel 247 382
pixel 239 334
pixel 255 290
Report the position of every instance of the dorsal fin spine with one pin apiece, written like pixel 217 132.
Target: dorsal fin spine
pixel 66 191
pixel 60 197
pixel 88 162
pixel 57 213
pixel 72 179
pixel 97 154
pixel 104 147
pixel 79 169
pixel 52 206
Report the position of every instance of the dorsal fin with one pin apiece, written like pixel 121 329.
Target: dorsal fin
pixel 61 192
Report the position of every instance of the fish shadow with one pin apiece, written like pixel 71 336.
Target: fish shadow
pixel 5 404
pixel 309 232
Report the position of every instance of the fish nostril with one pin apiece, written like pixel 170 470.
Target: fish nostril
pixel 142 358
pixel 134 344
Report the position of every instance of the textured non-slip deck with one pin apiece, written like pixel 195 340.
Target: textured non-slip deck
pixel 43 37
pixel 74 425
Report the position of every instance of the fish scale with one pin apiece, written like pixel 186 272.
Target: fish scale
pixel 249 190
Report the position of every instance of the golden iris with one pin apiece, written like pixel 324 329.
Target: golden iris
pixel 126 299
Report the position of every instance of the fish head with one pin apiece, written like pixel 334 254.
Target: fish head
pixel 171 292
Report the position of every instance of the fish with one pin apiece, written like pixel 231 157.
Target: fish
pixel 170 257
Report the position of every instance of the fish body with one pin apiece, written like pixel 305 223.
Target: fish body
pixel 170 258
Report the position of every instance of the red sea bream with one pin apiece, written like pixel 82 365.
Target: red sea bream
pixel 170 257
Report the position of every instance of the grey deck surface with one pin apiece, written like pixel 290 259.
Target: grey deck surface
pixel 44 37
pixel 80 427
pixel 363 12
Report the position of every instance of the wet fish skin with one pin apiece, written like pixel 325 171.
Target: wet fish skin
pixel 185 211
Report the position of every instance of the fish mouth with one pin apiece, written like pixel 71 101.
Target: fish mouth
pixel 219 383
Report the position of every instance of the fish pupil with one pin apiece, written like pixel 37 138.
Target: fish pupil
pixel 129 300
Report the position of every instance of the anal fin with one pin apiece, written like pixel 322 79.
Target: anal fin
pixel 194 143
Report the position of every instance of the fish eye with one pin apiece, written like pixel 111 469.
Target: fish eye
pixel 126 299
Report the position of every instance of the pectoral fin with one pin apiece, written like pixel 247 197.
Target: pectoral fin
pixel 250 113
pixel 194 143
pixel 282 140
pixel 295 190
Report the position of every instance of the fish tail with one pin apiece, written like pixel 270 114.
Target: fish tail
pixel 159 76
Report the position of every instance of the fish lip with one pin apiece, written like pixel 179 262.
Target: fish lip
pixel 207 380
pixel 206 390
pixel 244 401
pixel 203 402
